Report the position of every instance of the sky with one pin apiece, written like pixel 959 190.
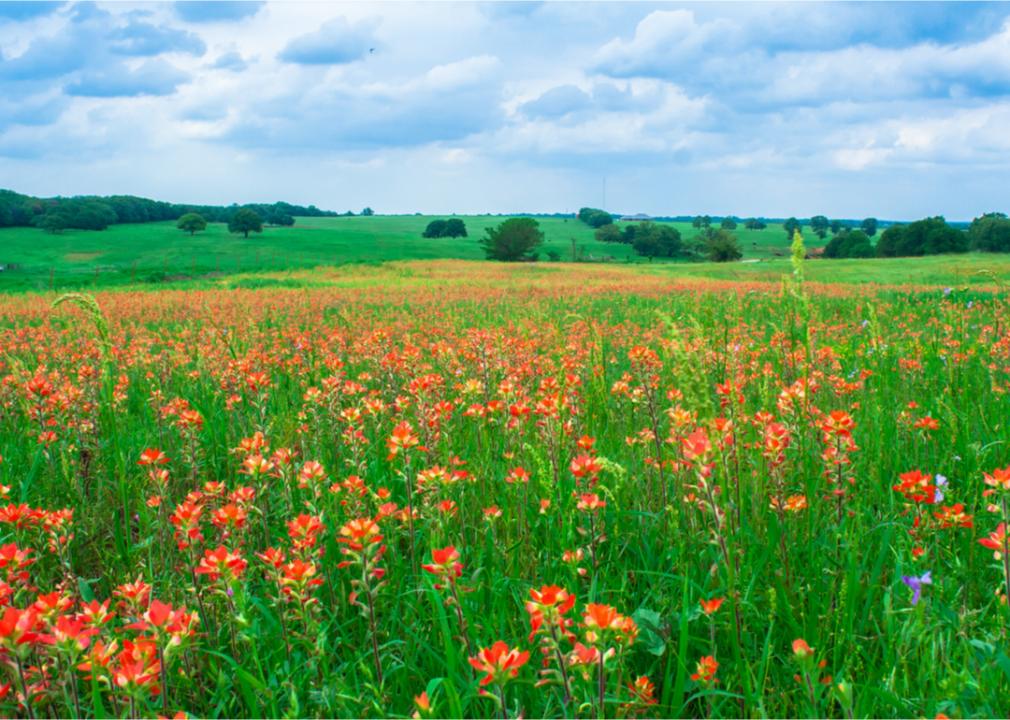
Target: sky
pixel 891 110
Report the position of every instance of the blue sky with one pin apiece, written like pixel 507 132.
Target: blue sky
pixel 846 109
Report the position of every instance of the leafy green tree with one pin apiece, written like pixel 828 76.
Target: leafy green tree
pixel 728 224
pixel 516 239
pixel 451 228
pixel 368 212
pixel 929 236
pixel 657 240
pixel 454 227
pixel 609 233
pixel 836 227
pixel 53 223
pixel 594 217
pixel 192 223
pixel 245 221
pixel 819 224
pixel 754 224
pixel 849 244
pixel 890 242
pixel 869 226
pixel 792 226
pixel 280 218
pixel 990 233
pixel 435 229
pixel 722 246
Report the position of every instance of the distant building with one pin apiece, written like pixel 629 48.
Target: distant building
pixel 639 217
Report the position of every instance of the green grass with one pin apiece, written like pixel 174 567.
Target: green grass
pixel 157 255
pixel 158 252
pixel 605 352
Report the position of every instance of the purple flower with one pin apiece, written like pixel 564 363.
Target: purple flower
pixel 941 481
pixel 916 584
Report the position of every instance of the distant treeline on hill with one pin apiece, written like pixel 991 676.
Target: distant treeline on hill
pixel 89 212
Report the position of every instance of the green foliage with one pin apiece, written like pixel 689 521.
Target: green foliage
pixel 728 224
pixel 610 233
pixel 516 239
pixel 722 246
pixel 368 212
pixel 280 219
pixel 245 221
pixel 435 229
pixel 192 223
pixel 869 226
pixel 452 228
pixel 819 224
pixel 792 226
pixel 52 222
pixel 702 221
pixel 929 236
pixel 849 244
pixel 77 213
pixel 754 224
pixel 653 240
pixel 594 217
pixel 990 233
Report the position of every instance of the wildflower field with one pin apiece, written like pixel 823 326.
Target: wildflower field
pixel 483 491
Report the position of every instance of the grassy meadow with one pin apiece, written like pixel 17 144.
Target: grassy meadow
pixel 159 252
pixel 360 473
pixel 446 488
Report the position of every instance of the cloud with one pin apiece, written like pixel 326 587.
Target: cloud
pixel 447 103
pixel 21 11
pixel 198 11
pixel 558 102
pixel 337 42
pixel 47 58
pixel 155 77
pixel 146 40
pixel 43 109
pixel 723 57
pixel 231 61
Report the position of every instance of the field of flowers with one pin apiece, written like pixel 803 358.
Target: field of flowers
pixel 477 491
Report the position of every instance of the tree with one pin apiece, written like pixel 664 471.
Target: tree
pixel 368 212
pixel 594 217
pixel 929 236
pixel 890 241
pixel 728 224
pixel 722 246
pixel 454 227
pixel 435 229
pixel 849 244
pixel 451 228
pixel 754 224
pixel 245 221
pixel 280 218
pixel 836 227
pixel 609 233
pixel 990 233
pixel 792 226
pixel 513 240
pixel 869 226
pixel 655 240
pixel 819 224
pixel 53 223
pixel 192 223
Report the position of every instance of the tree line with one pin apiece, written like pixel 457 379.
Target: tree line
pixel 94 212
